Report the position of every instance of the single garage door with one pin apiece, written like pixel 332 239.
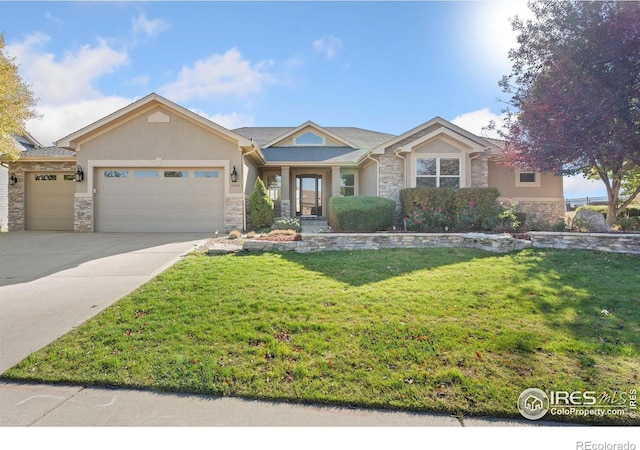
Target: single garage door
pixel 152 199
pixel 49 204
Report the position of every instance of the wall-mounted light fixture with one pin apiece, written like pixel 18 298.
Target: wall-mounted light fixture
pixel 234 175
pixel 79 174
pixel 13 179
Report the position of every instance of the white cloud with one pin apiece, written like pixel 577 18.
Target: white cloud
pixel 474 122
pixel 218 75
pixel 149 28
pixel 67 80
pixel 329 45
pixel 229 121
pixel 60 120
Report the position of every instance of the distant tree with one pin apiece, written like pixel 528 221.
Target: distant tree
pixel 575 94
pixel 17 103
pixel 260 206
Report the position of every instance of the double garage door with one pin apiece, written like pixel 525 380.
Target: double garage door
pixel 166 199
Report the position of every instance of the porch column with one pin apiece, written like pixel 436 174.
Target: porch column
pixel 335 182
pixel 285 202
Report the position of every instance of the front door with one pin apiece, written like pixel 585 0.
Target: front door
pixel 309 195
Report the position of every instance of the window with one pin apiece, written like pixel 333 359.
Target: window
pixel 206 174
pixel 176 173
pixel 145 173
pixel 47 177
pixel 69 178
pixel 274 186
pixel 116 173
pixel 438 172
pixel 347 184
pixel 527 178
pixel 309 138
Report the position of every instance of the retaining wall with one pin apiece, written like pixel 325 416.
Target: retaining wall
pixel 500 243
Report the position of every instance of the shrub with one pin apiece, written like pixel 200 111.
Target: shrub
pixel 559 226
pixel 508 218
pixel 466 209
pixel 361 213
pixel 287 223
pixel 628 223
pixel 260 213
pixel 235 234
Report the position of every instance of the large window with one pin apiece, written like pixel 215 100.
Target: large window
pixel 274 186
pixel 309 138
pixel 438 172
pixel 347 184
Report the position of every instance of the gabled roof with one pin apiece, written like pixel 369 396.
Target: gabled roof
pixel 48 152
pixel 430 129
pixel 324 155
pixel 358 137
pixel 143 104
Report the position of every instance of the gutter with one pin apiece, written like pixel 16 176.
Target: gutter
pixel 377 173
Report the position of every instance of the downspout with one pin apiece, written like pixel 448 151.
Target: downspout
pixel 244 206
pixel 377 173
pixel 397 153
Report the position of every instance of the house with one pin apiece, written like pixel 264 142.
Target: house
pixel 21 143
pixel 157 166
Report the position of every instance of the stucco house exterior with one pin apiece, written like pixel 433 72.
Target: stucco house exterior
pixel 157 166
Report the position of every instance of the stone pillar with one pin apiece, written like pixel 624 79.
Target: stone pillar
pixel 285 192
pixel 83 214
pixel 16 205
pixel 480 171
pixel 233 213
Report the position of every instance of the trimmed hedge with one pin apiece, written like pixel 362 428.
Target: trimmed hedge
pixel 466 209
pixel 287 223
pixel 260 210
pixel 361 213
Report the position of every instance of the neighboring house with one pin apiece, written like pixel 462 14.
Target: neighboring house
pixel 156 166
pixel 21 143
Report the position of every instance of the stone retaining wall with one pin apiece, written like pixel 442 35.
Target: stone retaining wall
pixel 500 243
pixel 604 242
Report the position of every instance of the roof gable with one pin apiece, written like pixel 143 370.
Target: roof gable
pixel 139 107
pixel 436 127
pixel 309 127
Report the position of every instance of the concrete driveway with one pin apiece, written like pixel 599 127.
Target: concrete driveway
pixel 51 282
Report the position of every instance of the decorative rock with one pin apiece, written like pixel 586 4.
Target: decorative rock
pixel 591 220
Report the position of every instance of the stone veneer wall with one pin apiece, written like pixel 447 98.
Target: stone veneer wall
pixel 391 180
pixel 604 242
pixel 542 213
pixel 480 171
pixel 16 192
pixel 83 214
pixel 234 211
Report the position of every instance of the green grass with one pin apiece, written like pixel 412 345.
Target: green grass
pixel 448 330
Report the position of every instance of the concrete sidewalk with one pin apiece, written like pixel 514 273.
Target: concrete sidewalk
pixel 45 405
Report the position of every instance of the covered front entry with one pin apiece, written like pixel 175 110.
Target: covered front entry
pixel 309 195
pixel 49 201
pixel 166 199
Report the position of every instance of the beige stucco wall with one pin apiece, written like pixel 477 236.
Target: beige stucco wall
pixel 137 139
pixel 368 179
pixel 504 179
pixel 4 202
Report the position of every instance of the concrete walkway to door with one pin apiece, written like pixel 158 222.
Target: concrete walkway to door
pixel 51 282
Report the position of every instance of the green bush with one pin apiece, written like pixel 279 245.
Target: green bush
pixel 287 223
pixel 361 213
pixel 260 213
pixel 466 209
pixel 628 223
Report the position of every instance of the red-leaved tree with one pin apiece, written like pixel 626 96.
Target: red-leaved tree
pixel 575 94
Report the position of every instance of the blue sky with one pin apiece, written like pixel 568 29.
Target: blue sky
pixel 385 66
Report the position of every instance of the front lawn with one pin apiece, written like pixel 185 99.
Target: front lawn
pixel 448 330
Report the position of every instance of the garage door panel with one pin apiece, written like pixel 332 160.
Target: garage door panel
pixel 49 201
pixel 146 200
